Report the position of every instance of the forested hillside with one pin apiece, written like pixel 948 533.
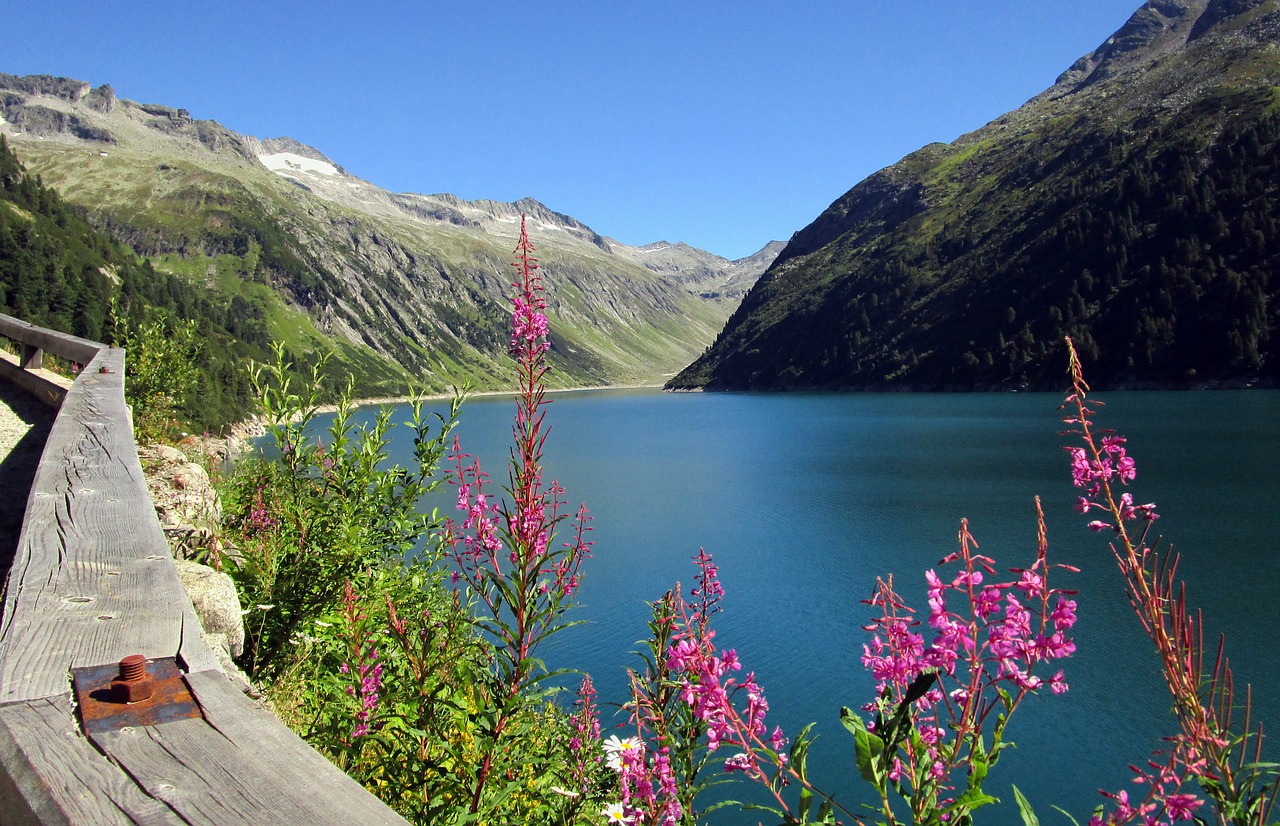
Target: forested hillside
pixel 1135 206
pixel 58 271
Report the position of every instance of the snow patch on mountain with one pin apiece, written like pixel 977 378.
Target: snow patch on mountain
pixel 286 163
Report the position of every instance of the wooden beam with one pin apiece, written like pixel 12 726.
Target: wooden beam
pixel 65 345
pixel 52 775
pixel 93 582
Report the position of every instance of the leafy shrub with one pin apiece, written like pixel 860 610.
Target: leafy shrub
pixel 160 374
pixel 324 510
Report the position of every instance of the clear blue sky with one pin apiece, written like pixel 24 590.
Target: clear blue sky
pixel 722 124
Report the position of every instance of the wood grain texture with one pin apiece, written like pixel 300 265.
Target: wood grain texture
pixel 72 348
pixel 52 775
pixel 44 385
pixel 242 722
pixel 92 582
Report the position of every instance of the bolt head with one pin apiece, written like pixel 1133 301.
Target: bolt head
pixel 132 691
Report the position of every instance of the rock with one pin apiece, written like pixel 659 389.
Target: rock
pixel 214 597
pixel 188 508
pixel 185 500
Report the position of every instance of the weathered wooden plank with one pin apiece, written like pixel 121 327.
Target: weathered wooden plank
pixel 242 722
pixel 49 774
pixel 92 580
pixel 48 387
pixel 67 346
pixel 92 583
pixel 209 779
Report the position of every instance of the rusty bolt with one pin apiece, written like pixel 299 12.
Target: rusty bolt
pixel 133 685
pixel 104 369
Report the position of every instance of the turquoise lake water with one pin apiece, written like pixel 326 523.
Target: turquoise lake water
pixel 804 499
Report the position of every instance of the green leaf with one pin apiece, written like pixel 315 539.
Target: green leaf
pixel 757 807
pixel 799 754
pixel 973 798
pixel 978 768
pixel 868 749
pixel 1024 808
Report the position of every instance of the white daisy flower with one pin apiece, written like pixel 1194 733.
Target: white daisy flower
pixel 615 748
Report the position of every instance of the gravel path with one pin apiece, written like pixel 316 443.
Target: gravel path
pixel 24 426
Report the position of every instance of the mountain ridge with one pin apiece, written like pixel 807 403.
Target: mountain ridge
pixel 1101 209
pixel 394 286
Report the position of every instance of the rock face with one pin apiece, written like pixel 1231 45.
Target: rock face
pixel 186 503
pixel 214 597
pixel 190 512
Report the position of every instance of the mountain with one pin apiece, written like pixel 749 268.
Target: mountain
pixel 395 287
pixel 58 271
pixel 1134 205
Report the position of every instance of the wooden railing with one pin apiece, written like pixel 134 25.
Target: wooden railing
pixel 92 583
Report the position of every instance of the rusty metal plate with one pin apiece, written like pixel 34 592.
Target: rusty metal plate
pixel 104 709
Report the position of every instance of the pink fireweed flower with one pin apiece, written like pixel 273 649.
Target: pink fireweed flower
pixel 988 636
pixel 1031 584
pixel 1181 806
pixel 778 741
pixel 584 743
pixel 650 792
pixel 1064 614
pixel 504 549
pixel 727 709
pixel 988 602
pixel 529 327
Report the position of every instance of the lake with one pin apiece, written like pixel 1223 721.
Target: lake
pixel 804 499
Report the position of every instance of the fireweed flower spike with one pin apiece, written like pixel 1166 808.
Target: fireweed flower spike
pixel 505 551
pixel 691 704
pixel 362 667
pixel 584 745
pixel 933 714
pixel 1208 748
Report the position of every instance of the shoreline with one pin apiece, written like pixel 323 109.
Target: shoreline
pixel 383 401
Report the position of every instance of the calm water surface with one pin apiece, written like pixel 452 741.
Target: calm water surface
pixel 804 499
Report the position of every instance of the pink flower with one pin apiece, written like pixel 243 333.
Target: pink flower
pixel 1180 806
pixel 1031 584
pixel 1064 614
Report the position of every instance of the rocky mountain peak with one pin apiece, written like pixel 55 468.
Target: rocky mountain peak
pixel 1090 211
pixel 1161 27
pixel 1158 27
pixel 59 87
pixel 1220 12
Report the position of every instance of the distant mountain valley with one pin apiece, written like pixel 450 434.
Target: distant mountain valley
pixel 394 288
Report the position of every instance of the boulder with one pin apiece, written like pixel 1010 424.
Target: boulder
pixel 185 500
pixel 217 605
